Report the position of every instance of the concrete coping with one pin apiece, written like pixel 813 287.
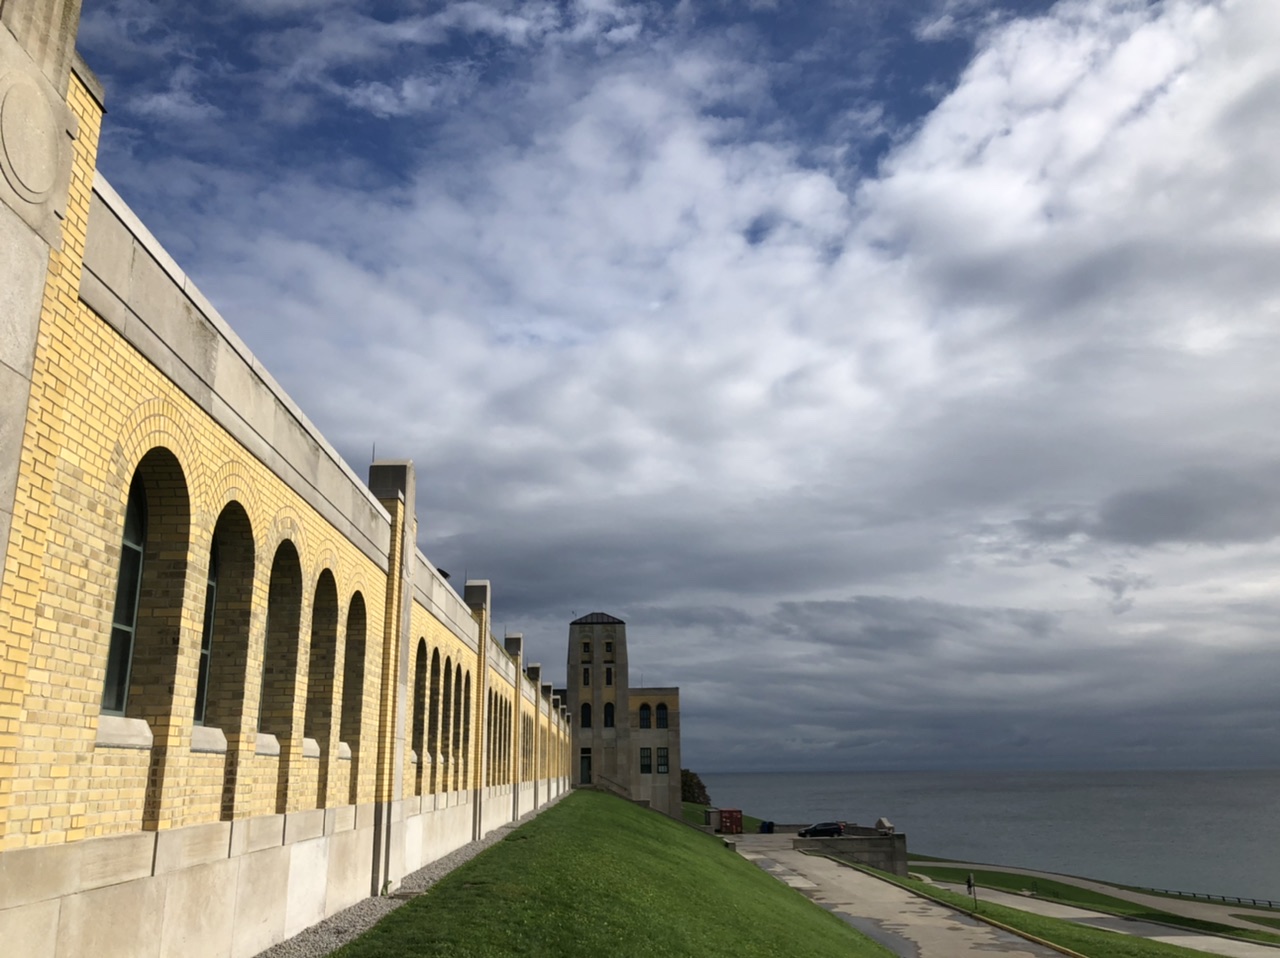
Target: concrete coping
pixel 413 757
pixel 206 738
pixel 147 241
pixel 116 731
pixel 344 751
pixel 267 745
pixel 310 748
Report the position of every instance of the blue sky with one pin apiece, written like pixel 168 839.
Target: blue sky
pixel 902 373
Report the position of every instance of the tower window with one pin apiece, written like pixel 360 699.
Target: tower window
pixel 646 716
pixel 586 648
pixel 586 715
pixel 646 761
pixel 608 676
pixel 608 715
pixel 662 761
pixel 586 675
pixel 662 715
pixel 608 647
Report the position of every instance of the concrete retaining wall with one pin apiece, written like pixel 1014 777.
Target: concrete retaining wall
pixel 888 853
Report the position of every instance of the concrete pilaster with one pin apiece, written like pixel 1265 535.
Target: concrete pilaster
pixel 36 132
pixel 394 485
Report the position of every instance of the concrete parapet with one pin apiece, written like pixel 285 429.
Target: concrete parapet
pixel 888 853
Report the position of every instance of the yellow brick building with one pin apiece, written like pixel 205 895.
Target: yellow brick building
pixel 234 696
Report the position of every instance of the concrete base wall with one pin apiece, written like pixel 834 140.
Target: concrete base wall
pixel 496 808
pixel 888 853
pixel 224 890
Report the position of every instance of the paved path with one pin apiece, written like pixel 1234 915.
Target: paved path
pixel 1211 944
pixel 1223 914
pixel 907 924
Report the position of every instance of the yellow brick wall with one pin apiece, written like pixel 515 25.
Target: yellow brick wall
pixel 98 409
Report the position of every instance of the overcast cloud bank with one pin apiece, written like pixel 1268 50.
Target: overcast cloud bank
pixel 917 422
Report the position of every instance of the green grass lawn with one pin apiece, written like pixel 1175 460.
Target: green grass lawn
pixel 596 875
pixel 1084 898
pixel 1083 939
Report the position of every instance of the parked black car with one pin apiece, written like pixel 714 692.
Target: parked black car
pixel 823 830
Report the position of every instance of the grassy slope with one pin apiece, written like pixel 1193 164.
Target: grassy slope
pixel 596 875
pixel 1079 938
pixel 1084 898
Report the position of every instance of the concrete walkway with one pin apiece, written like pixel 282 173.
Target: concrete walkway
pixel 907 924
pixel 1211 944
pixel 1223 914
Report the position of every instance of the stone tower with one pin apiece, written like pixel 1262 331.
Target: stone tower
pixel 625 739
pixel 598 702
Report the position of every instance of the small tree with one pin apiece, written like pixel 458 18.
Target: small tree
pixel 692 789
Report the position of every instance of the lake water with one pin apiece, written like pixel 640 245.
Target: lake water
pixel 1205 831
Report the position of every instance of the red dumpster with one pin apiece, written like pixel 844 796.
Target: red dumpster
pixel 730 821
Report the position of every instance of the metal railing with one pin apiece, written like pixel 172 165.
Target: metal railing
pixel 1205 896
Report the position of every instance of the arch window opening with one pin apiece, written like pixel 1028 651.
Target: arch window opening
pixel 646 716
pixel 124 620
pixel 608 676
pixel 419 704
pixel 206 634
pixel 662 715
pixel 586 715
pixel 433 721
pixel 353 690
pixel 608 714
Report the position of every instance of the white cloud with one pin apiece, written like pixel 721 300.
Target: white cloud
pixel 651 355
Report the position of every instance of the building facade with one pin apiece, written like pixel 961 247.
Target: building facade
pixel 235 697
pixel 625 739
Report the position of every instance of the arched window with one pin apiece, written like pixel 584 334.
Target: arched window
pixel 418 704
pixel 646 716
pixel 224 641
pixel 206 633
pixel 433 721
pixel 280 663
pixel 466 730
pixel 662 715
pixel 446 724
pixel 124 621
pixel 317 721
pixel 353 689
pixel 608 715
pixel 586 715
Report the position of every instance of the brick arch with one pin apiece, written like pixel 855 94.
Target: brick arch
pixel 285 525
pixel 156 424
pixel 229 483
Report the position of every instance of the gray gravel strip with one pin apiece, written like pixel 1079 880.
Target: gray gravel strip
pixel 336 930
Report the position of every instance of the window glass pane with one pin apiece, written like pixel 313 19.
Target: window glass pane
pixel 608 676
pixel 646 761
pixel 126 611
pixel 586 676
pixel 646 716
pixel 206 642
pixel 662 716
pixel 662 761
pixel 124 617
pixel 117 684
